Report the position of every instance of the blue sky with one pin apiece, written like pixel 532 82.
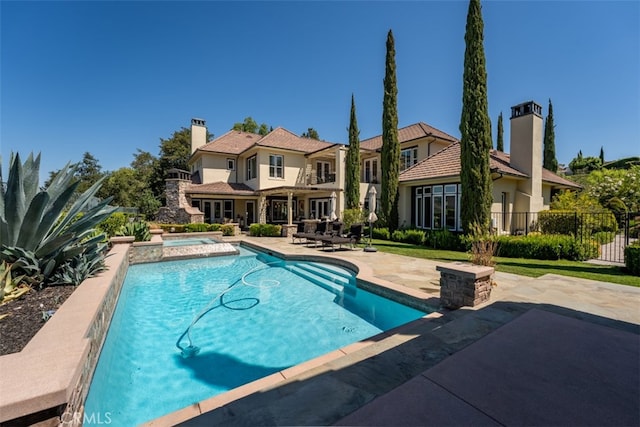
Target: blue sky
pixel 112 77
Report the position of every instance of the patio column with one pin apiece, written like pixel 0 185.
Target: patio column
pixel 262 213
pixel 289 208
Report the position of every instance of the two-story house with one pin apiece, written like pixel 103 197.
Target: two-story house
pixel 281 177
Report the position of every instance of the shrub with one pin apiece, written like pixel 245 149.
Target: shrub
pixel 196 227
pixel 576 223
pixel 381 233
pixel 265 230
pixel 228 230
pixel 139 230
pixel 352 216
pixel 214 227
pixel 112 224
pixel 548 247
pixel 172 228
pixel 445 239
pixel 415 237
pixel 632 258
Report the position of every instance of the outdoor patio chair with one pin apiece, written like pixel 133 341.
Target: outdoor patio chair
pixel 352 238
pixel 320 230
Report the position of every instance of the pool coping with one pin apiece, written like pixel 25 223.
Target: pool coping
pixel 365 280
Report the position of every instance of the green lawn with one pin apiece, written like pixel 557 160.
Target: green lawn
pixel 521 266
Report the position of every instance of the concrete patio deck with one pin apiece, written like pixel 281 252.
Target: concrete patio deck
pixel 552 350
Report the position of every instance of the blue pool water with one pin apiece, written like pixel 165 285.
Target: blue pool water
pixel 273 320
pixel 188 242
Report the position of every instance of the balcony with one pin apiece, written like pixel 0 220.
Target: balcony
pixel 314 179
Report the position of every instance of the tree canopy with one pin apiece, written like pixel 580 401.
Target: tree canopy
pixel 311 133
pixel 251 126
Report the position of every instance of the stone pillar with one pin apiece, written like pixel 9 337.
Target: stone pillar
pixel 289 208
pixel 289 230
pixel 464 284
pixel 262 209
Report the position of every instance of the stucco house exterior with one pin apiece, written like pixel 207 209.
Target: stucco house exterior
pixel 430 190
pixel 281 177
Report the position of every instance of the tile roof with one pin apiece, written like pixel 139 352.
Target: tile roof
pixel 284 139
pixel 446 163
pixel 221 188
pixel 236 142
pixel 408 133
pixel 232 142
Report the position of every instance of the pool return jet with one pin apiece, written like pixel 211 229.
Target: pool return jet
pixel 191 350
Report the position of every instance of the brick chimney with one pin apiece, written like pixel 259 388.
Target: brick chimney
pixel 198 134
pixel 526 154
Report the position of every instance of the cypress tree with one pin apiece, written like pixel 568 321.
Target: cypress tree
pixel 352 180
pixel 549 157
pixel 475 130
pixel 602 155
pixel 390 156
pixel 500 141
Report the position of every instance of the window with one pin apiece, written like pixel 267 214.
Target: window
pixel 323 172
pixel 438 207
pixel 279 210
pixel 371 171
pixel 450 206
pixel 320 208
pixel 252 168
pixel 231 164
pixel 408 157
pixel 228 209
pixel 276 166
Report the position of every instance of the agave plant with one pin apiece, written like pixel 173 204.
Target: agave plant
pixel 39 233
pixel 10 287
pixel 139 230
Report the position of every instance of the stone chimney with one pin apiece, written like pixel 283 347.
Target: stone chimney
pixel 526 154
pixel 198 134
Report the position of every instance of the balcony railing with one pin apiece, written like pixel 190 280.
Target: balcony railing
pixel 314 179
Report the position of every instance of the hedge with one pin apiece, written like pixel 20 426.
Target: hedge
pixel 547 247
pixel 576 223
pixel 632 258
pixel 265 230
pixel 228 230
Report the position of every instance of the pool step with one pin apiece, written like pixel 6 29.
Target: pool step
pixel 336 284
pixel 325 271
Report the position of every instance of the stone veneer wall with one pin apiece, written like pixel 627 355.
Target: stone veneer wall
pixel 178 209
pixel 97 334
pixel 464 285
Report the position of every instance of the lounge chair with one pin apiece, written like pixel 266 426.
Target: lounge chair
pixel 320 230
pixel 332 229
pixel 352 238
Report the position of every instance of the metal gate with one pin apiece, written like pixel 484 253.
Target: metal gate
pixel 613 251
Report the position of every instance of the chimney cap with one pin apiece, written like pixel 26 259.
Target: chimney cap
pixel 526 108
pixel 197 122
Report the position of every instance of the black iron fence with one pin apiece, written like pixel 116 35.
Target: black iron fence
pixel 613 232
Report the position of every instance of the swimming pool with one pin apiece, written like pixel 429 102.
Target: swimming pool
pixel 253 330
